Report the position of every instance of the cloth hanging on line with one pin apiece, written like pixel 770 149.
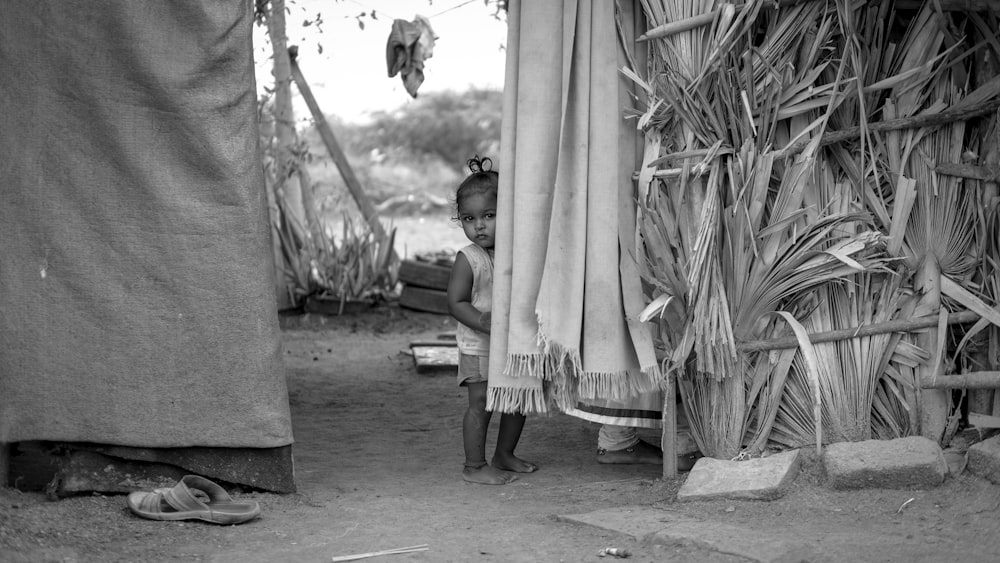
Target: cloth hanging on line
pixel 408 46
pixel 566 289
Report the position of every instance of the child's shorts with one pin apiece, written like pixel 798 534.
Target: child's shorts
pixel 473 369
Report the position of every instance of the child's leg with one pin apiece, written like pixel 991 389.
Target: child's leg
pixel 474 426
pixel 510 432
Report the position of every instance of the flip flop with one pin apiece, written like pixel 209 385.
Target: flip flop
pixel 180 503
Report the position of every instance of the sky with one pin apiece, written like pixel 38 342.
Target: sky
pixel 349 78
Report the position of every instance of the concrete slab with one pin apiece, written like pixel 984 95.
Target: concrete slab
pixel 765 478
pixel 785 544
pixel 662 527
pixel 640 522
pixel 903 463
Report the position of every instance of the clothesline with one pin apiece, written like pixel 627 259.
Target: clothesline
pixel 390 16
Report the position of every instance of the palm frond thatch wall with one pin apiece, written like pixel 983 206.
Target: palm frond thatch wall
pixel 751 217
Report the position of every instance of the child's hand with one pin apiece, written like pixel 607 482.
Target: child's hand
pixel 485 320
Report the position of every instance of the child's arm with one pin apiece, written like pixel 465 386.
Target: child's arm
pixel 460 296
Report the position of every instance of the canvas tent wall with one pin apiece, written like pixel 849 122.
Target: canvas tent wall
pixel 136 286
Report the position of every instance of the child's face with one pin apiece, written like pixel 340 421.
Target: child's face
pixel 478 214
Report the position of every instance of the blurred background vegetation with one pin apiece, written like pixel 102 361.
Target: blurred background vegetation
pixel 347 200
pixel 409 160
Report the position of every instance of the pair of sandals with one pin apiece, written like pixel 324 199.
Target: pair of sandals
pixel 183 502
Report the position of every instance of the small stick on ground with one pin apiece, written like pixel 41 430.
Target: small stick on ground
pixel 411 549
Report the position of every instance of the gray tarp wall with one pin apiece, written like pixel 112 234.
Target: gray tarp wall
pixel 136 289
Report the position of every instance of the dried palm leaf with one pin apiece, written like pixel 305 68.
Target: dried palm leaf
pixel 849 370
pixel 751 239
pixel 733 235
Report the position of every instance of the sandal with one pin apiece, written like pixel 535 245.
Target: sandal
pixel 180 503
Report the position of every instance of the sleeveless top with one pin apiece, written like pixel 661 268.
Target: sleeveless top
pixel 470 341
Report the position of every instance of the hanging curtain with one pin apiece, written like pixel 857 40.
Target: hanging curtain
pixel 566 288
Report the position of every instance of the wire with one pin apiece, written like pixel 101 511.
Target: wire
pixel 455 7
pixel 390 16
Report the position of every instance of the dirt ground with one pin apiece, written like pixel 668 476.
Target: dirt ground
pixel 378 458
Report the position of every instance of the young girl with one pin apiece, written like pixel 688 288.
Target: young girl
pixel 469 300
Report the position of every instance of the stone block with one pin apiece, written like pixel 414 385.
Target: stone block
pixel 903 463
pixel 765 478
pixel 984 459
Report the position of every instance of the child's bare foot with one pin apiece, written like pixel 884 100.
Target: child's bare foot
pixel 642 452
pixel 486 475
pixel 513 463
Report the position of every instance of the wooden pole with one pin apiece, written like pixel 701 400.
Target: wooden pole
pixel 962 113
pixel 281 295
pixel 980 399
pixel 671 28
pixel 984 401
pixel 934 403
pixel 284 135
pixel 339 158
pixel 668 438
pixel 971 380
pixel 970 171
pixel 905 325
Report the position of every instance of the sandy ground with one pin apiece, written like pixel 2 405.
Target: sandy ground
pixel 378 460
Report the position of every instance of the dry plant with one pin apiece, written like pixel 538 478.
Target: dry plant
pixel 736 237
pixel 852 371
pixel 754 227
pixel 357 265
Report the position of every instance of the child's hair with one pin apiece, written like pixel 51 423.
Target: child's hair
pixel 483 179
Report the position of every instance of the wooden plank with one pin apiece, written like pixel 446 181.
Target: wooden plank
pixel 435 343
pixel 433 358
pixel 983 420
pixel 424 274
pixel 424 299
